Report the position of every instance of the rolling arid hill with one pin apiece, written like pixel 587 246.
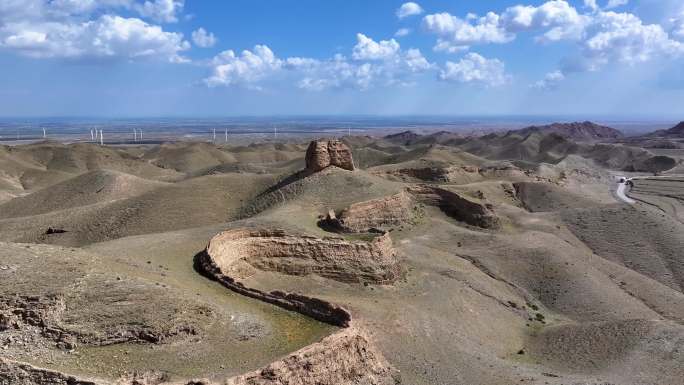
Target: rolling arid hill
pixel 509 258
pixel 536 147
pixel 575 130
pixel 676 132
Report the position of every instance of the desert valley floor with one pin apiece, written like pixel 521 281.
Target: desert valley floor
pixel 405 259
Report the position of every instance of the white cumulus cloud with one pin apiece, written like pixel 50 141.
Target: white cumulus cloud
pixel 678 26
pixel 368 49
pixel 401 32
pixel 623 37
pixel 457 32
pixel 409 9
pixel 339 72
pixel 449 47
pixel 616 3
pixel 550 81
pixel 591 4
pixel 88 29
pixel 558 18
pixel 160 10
pixel 106 37
pixel 203 39
pixel 602 37
pixel 415 61
pixel 245 69
pixel 474 68
pixel 373 64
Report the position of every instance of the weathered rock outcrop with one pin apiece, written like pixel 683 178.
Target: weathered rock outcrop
pixel 43 315
pixel 377 214
pixel 325 153
pixel 457 206
pixel 346 357
pixel 238 252
pixel 403 208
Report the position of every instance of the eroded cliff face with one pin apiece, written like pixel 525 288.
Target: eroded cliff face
pixel 238 252
pixel 457 206
pixel 404 208
pixel 378 214
pixel 346 357
pixel 325 153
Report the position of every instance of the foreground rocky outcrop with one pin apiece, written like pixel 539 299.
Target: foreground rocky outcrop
pixel 41 307
pixel 375 215
pixel 325 153
pixel 457 206
pixel 346 357
pixel 238 252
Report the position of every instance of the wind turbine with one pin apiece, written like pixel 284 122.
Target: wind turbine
pixel 44 133
pixel 101 138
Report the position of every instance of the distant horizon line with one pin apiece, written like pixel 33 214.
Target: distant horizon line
pixel 574 117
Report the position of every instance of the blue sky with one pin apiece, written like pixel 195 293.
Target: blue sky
pixel 290 57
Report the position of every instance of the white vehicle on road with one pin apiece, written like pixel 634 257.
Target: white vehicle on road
pixel 620 192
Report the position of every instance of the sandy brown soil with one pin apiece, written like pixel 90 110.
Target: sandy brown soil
pixel 666 194
pixel 506 261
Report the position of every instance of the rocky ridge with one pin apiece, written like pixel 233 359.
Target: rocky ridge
pixel 575 130
pixel 675 132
